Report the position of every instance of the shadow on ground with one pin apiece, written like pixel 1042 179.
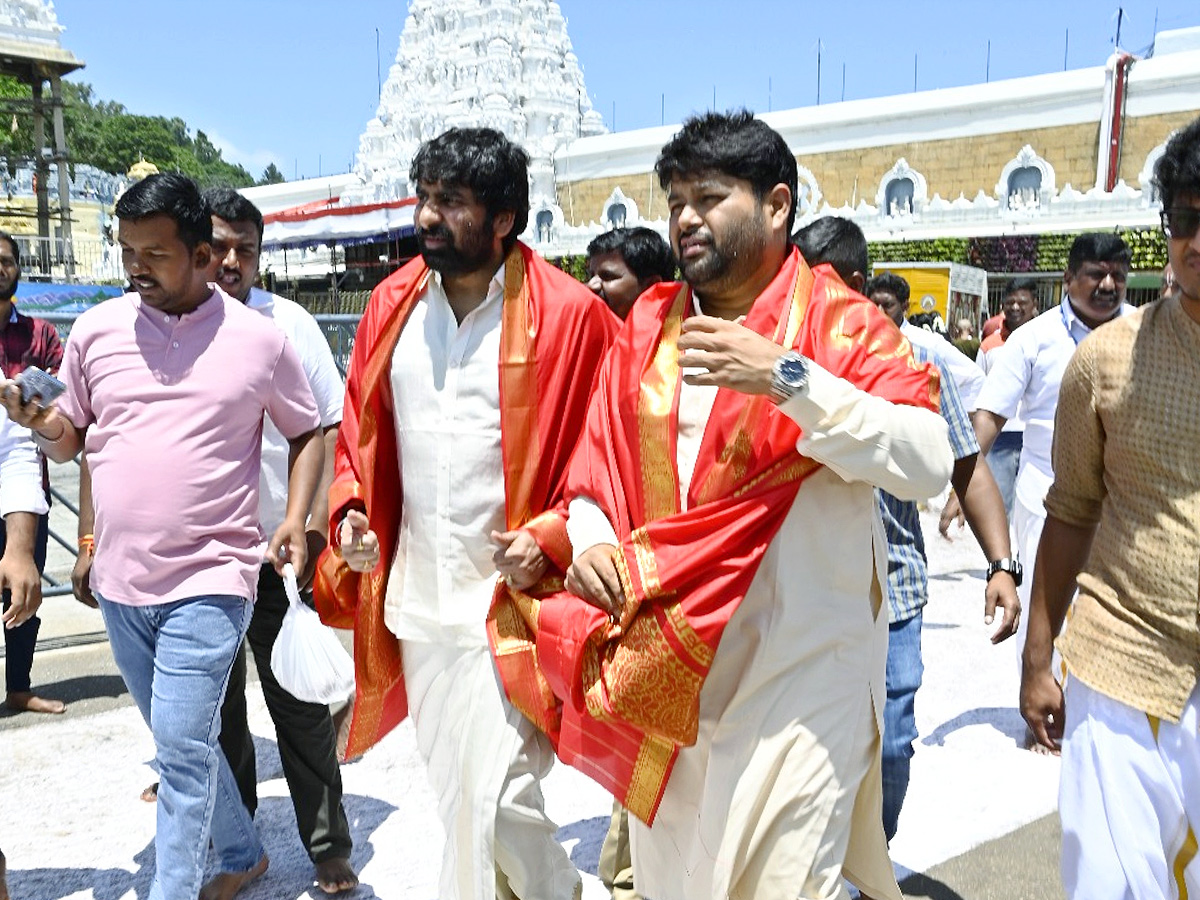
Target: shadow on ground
pixel 1005 719
pixel 923 886
pixel 75 690
pixel 590 835
pixel 105 884
pixel 290 876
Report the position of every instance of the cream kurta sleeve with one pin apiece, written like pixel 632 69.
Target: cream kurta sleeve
pixel 587 525
pixel 902 449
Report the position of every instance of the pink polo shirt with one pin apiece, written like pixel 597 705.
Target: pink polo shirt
pixel 173 407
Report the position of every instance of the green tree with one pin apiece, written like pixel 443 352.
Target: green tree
pixel 106 135
pixel 271 175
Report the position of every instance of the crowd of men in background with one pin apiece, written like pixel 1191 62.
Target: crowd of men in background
pixel 597 525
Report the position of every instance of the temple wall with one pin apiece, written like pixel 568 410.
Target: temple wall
pixel 956 166
pixel 963 165
pixel 1143 134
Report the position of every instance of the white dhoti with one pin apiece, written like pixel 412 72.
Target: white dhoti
pixel 1129 800
pixel 1027 531
pixel 485 762
pixel 783 782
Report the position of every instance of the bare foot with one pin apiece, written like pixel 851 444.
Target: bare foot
pixel 27 701
pixel 226 885
pixel 335 876
pixel 150 794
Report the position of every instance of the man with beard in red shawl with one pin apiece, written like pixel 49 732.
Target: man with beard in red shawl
pixel 467 390
pixel 723 674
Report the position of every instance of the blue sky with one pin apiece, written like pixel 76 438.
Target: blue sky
pixel 294 81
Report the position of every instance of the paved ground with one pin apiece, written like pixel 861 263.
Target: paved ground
pixel 977 824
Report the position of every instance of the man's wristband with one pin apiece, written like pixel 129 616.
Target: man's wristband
pixel 1011 566
pixel 87 543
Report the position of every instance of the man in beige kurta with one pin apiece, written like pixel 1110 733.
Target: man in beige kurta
pixel 781 785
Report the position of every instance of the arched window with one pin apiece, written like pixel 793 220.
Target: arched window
pixel 902 191
pixel 545 226
pixel 1150 194
pixel 809 194
pixel 899 197
pixel 619 211
pixel 1026 184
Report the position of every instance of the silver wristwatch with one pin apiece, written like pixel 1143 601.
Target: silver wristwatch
pixel 788 376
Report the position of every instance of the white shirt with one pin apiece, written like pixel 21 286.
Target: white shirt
pixel 984 360
pixel 962 368
pixel 305 335
pixel 1025 374
pixel 445 381
pixel 20 470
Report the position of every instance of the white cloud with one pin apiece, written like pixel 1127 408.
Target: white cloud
pixel 253 160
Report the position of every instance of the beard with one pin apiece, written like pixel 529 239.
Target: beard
pixel 474 253
pixel 741 246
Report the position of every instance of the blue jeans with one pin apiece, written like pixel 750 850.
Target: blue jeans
pixel 904 671
pixel 1003 460
pixel 175 659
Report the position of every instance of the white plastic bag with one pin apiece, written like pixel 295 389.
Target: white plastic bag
pixel 308 659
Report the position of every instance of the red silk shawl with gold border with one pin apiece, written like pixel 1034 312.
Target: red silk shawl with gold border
pixel 619 699
pixel 554 334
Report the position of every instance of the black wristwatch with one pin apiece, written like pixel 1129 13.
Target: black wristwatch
pixel 1011 566
pixel 789 376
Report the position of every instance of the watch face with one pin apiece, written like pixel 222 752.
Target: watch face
pixel 793 371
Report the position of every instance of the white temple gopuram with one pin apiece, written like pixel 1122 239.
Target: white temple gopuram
pixel 503 64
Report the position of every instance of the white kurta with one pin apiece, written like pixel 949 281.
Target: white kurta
pixel 446 390
pixel 485 761
pixel 787 756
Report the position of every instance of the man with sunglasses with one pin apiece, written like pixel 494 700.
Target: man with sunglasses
pixel 1123 521
pixel 1025 374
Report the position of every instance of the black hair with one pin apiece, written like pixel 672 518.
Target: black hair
pixel 175 196
pixel 226 203
pixel 735 144
pixel 930 321
pixel 889 282
pixel 484 160
pixel 1177 171
pixel 16 251
pixel 1098 246
pixel 643 249
pixel 837 241
pixel 1022 284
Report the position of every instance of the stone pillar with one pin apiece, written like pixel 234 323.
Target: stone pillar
pixel 42 172
pixel 64 177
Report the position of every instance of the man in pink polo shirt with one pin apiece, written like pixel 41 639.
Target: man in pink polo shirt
pixel 166 390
